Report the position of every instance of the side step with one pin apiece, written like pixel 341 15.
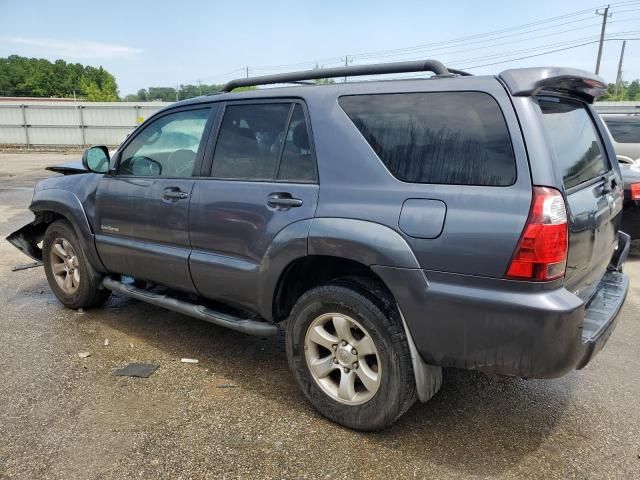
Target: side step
pixel 244 325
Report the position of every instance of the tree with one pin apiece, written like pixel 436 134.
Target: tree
pixel 37 77
pixel 627 91
pixel 322 81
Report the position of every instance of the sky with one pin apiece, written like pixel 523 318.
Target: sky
pixel 154 43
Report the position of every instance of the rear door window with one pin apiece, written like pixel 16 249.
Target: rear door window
pixel 575 141
pixel 625 129
pixel 266 141
pixel 441 137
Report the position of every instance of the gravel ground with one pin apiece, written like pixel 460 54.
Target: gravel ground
pixel 66 417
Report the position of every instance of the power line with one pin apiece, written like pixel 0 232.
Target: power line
pixel 445 42
pixel 477 39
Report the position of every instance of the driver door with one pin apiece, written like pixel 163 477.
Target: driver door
pixel 142 205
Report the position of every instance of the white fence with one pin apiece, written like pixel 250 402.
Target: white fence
pixel 71 123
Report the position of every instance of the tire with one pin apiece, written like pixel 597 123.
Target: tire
pixel 70 265
pixel 365 407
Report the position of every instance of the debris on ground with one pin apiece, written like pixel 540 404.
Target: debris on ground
pixel 106 342
pixel 84 354
pixel 227 385
pixel 81 310
pixel 189 360
pixel 142 370
pixel 24 266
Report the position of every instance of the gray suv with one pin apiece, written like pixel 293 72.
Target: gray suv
pixel 391 227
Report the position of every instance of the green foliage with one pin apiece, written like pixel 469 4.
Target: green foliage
pixel 627 91
pixel 37 77
pixel 323 81
pixel 168 94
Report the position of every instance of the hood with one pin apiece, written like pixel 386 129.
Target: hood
pixel 70 168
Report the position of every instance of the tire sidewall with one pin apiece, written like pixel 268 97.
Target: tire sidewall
pixel 387 403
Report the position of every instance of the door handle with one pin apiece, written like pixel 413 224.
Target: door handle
pixel 175 194
pixel 283 200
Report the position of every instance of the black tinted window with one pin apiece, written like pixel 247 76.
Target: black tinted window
pixel 297 163
pixel 455 138
pixel 574 141
pixel 250 141
pixel 167 147
pixel 624 129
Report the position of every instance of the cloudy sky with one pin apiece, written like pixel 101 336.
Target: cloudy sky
pixel 158 43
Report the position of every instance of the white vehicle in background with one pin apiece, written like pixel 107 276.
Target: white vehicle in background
pixel 625 136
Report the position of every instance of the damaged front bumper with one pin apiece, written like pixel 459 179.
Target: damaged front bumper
pixel 28 239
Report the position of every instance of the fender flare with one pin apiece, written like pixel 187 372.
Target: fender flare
pixel 288 245
pixel 68 205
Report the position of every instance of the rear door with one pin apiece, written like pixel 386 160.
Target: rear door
pixel 142 208
pixel 592 187
pixel 262 178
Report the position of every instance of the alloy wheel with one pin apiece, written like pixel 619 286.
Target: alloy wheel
pixel 65 265
pixel 342 358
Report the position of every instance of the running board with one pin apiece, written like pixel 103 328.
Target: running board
pixel 244 325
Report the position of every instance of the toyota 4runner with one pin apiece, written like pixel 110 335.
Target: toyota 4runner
pixel 392 227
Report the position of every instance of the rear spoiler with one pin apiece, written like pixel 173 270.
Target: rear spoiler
pixel 523 82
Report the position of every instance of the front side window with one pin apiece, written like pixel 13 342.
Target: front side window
pixel 441 137
pixel 574 140
pixel 167 147
pixel 264 142
pixel 624 129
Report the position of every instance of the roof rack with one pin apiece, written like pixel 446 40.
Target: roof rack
pixel 356 71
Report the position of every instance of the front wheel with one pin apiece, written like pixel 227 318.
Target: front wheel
pixel 72 279
pixel 350 357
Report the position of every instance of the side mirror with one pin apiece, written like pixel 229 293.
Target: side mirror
pixel 96 159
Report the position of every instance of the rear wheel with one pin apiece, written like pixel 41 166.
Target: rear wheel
pixel 350 357
pixel 72 279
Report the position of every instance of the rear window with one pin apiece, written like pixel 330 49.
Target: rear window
pixel 625 129
pixel 448 138
pixel 575 141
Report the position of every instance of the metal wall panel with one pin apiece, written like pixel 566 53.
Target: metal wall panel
pixel 55 136
pixel 10 116
pixel 12 135
pixel 73 124
pixel 106 136
pixel 37 115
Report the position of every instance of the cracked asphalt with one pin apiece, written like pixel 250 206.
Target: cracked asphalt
pixel 66 417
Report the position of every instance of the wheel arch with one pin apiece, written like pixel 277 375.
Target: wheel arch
pixel 53 204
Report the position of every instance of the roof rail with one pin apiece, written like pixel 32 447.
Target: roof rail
pixel 356 71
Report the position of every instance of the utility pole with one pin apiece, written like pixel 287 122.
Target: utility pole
pixel 177 87
pixel 605 15
pixel 619 76
pixel 247 70
pixel 346 64
pixel 200 86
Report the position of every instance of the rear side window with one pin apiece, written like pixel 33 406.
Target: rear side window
pixel 449 138
pixel 264 142
pixel 625 129
pixel 574 140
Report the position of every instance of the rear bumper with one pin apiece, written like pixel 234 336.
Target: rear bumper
pixel 505 327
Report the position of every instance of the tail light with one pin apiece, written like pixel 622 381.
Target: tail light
pixel 542 251
pixel 635 191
